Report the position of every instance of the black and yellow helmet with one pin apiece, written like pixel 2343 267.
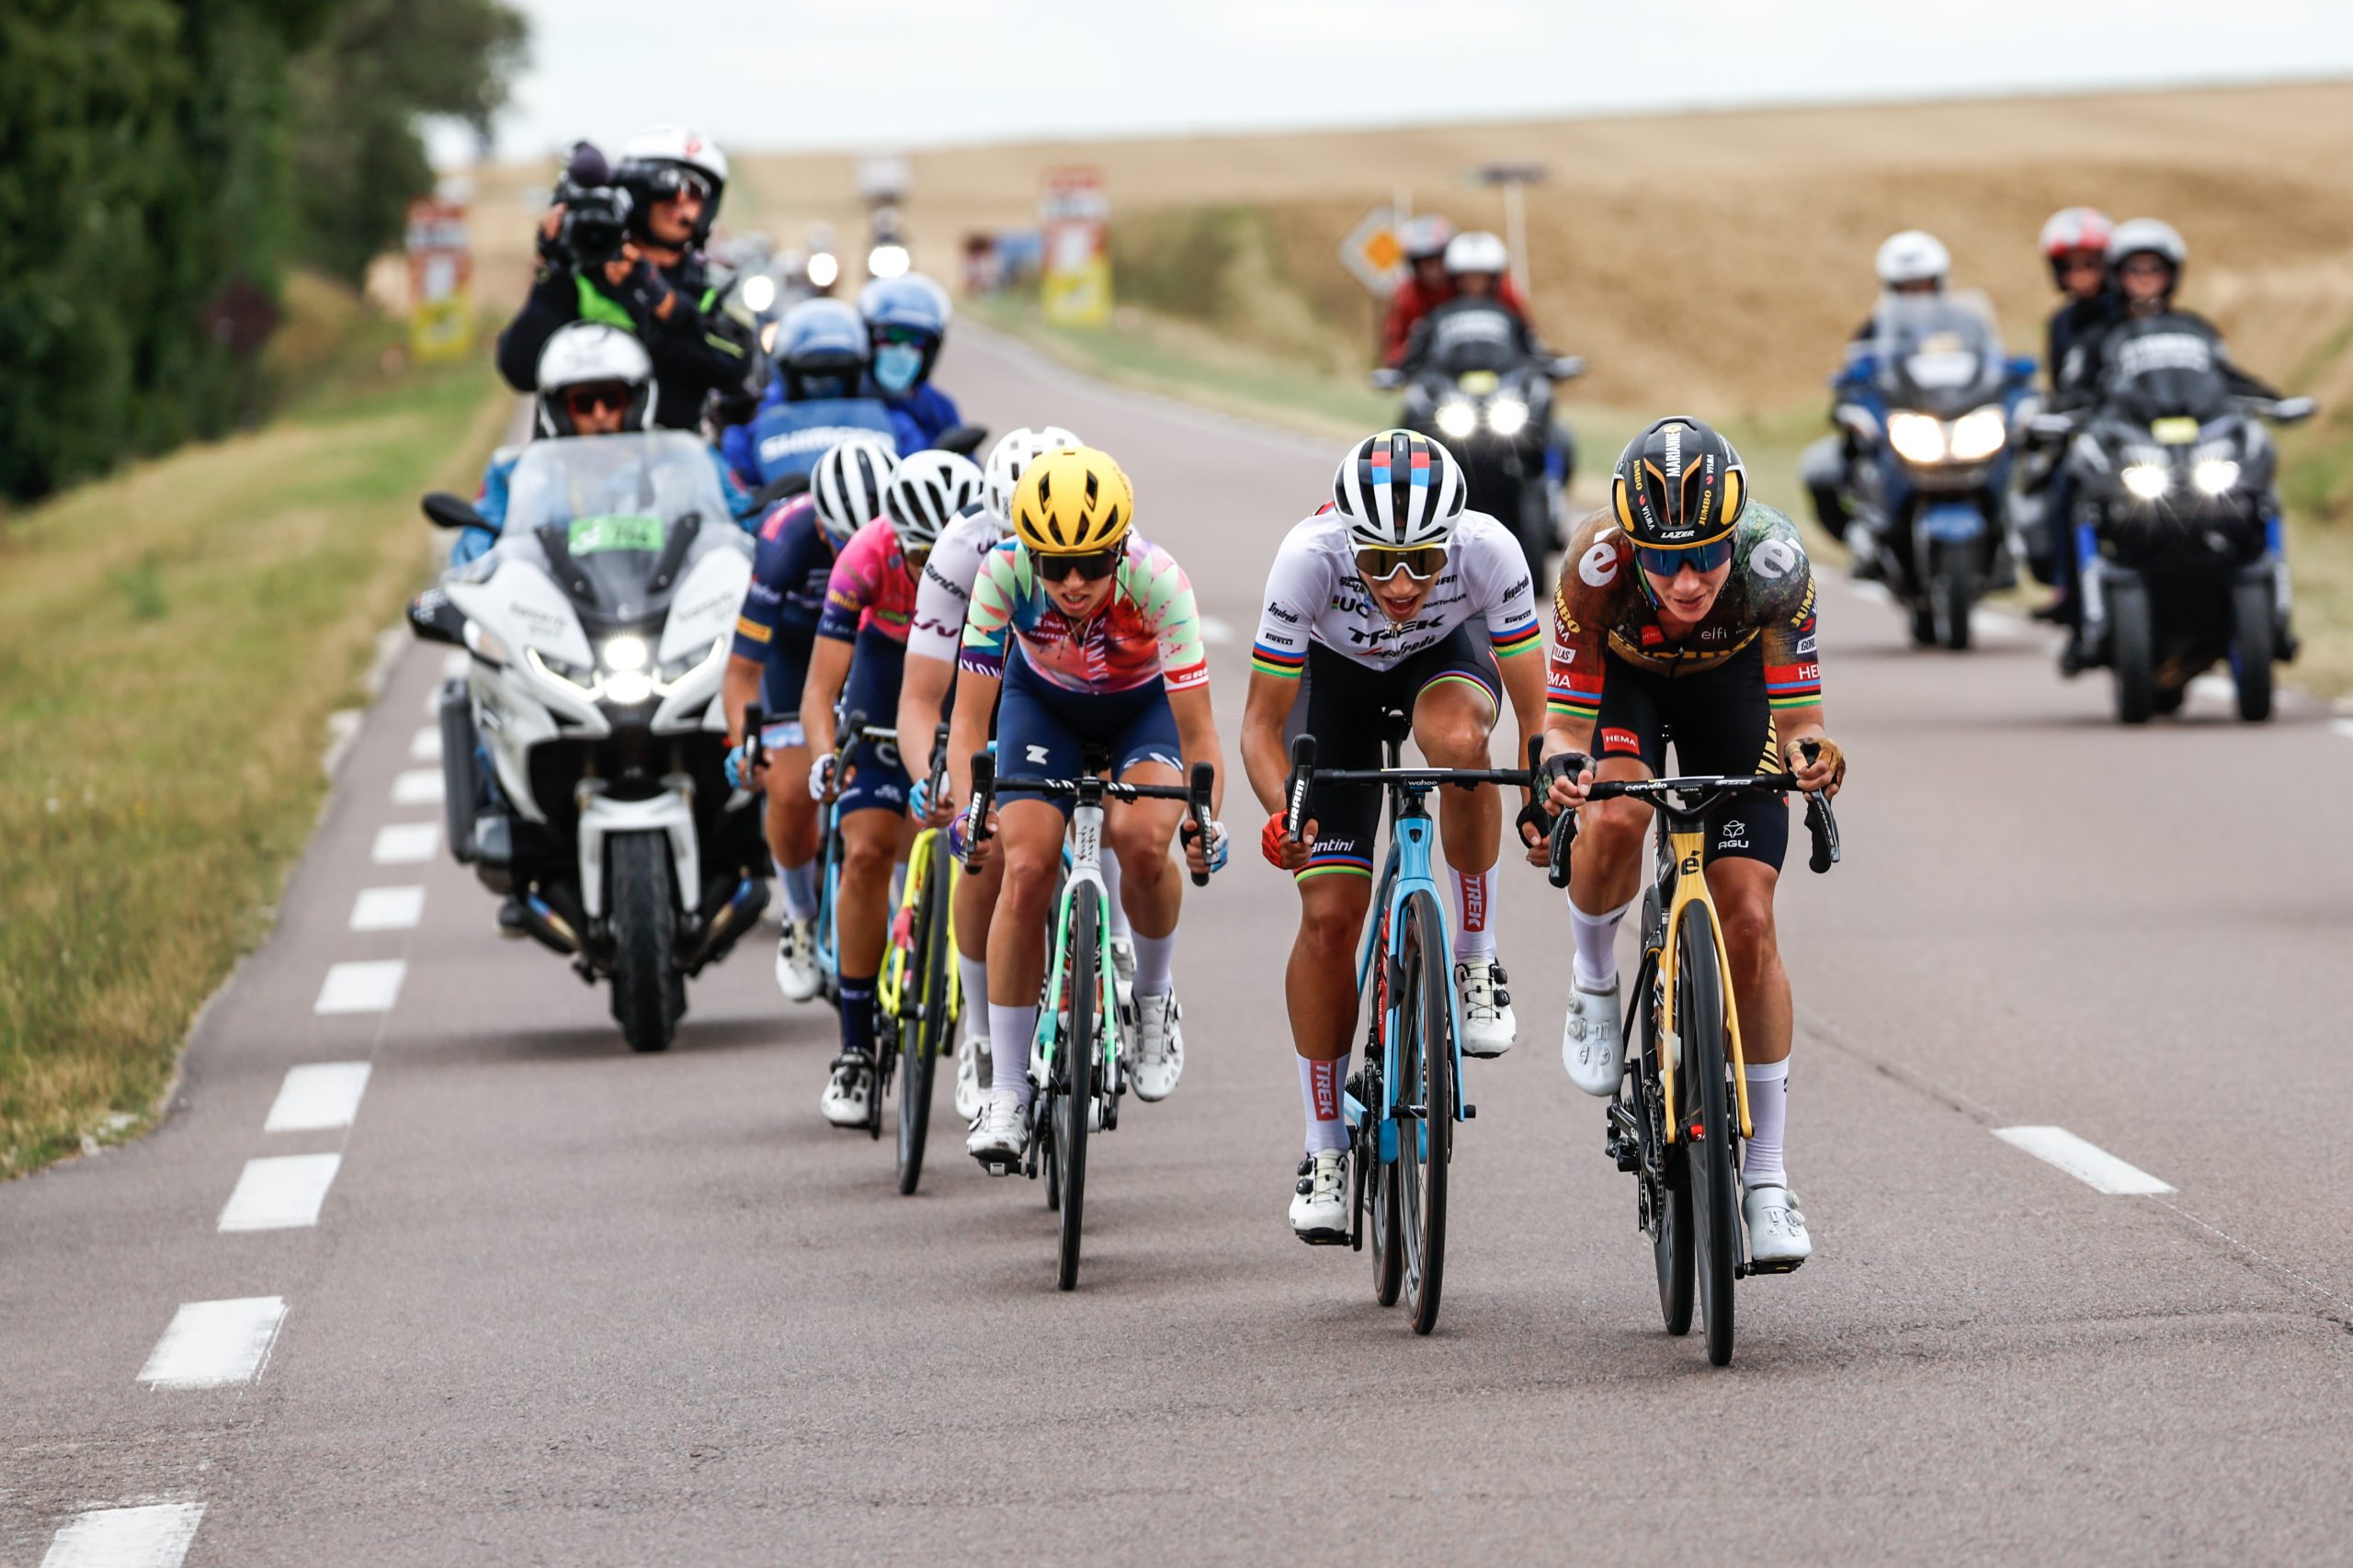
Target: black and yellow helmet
pixel 1074 502
pixel 1679 484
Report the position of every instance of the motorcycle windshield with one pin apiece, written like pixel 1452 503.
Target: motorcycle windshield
pixel 1470 340
pixel 613 493
pixel 1938 354
pixel 2163 368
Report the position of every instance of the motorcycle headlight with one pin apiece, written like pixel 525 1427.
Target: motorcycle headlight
pixel 624 653
pixel 485 646
pixel 2214 476
pixel 629 688
pixel 758 293
pixel 1979 434
pixel 686 666
pixel 1917 437
pixel 1507 416
pixel 886 261
pixel 1457 418
pixel 571 675
pixel 823 269
pixel 2148 481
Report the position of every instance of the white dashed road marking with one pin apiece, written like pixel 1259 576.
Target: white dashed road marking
pixel 418 787
pixel 426 744
pixel 318 1097
pixel 151 1535
pixel 2087 1163
pixel 213 1345
pixel 387 909
pixel 405 843
pixel 367 987
pixel 281 1192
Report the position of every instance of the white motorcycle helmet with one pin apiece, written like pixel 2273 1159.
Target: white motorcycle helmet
pixel 589 354
pixel 1914 255
pixel 926 492
pixel 1015 451
pixel 1477 251
pixel 651 162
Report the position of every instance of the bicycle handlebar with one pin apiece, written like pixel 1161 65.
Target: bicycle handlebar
pixel 1821 824
pixel 1305 776
pixel 935 786
pixel 986 785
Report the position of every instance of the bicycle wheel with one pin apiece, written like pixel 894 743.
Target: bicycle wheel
pixel 1380 1187
pixel 1081 982
pixel 1665 1176
pixel 1425 1078
pixel 927 1023
pixel 1702 1109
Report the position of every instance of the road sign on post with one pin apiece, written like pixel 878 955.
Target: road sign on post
pixel 1372 253
pixel 440 278
pixel 1074 218
pixel 1514 178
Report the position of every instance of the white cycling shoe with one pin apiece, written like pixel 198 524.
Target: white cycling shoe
pixel 1000 1131
pixel 1123 971
pixel 1489 1026
pixel 1159 1059
pixel 796 960
pixel 1778 1239
pixel 1319 1204
pixel 1593 1042
pixel 972 1068
pixel 850 1093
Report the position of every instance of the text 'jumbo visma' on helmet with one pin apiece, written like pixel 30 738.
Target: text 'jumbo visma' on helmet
pixel 1399 490
pixel 662 160
pixel 926 492
pixel 847 483
pixel 1011 457
pixel 1913 255
pixel 2148 236
pixel 1073 502
pixel 1678 485
pixel 583 356
pixel 1477 251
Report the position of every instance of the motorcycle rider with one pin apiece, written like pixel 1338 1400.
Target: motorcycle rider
pixel 1912 261
pixel 819 398
pixel 1427 284
pixel 906 318
pixel 2074 242
pixel 656 285
pixel 1478 274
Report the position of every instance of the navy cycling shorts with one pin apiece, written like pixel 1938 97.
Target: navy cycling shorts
pixel 1042 730
pixel 876 781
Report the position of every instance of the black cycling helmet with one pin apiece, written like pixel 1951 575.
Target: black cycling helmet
pixel 1679 484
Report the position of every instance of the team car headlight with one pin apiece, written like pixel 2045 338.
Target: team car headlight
pixel 1979 434
pixel 1457 418
pixel 2148 481
pixel 1507 416
pixel 2214 476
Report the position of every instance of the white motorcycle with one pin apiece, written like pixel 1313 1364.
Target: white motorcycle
pixel 598 628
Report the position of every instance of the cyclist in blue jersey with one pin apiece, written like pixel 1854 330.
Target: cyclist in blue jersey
pixel 818 400
pixel 907 321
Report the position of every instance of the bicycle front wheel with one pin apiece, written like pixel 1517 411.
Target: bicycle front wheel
pixel 1425 1079
pixel 927 1023
pixel 1701 1091
pixel 1082 980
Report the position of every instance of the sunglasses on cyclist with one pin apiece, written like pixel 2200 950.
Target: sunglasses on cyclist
pixel 1092 568
pixel 1699 557
pixel 583 400
pixel 1421 563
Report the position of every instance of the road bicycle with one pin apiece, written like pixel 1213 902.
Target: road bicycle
pixel 1079 1057
pixel 1678 1117
pixel 918 994
pixel 1402 1102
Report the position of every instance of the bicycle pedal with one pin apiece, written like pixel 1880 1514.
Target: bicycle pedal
pixel 1789 1266
pixel 1323 1238
pixel 999 1167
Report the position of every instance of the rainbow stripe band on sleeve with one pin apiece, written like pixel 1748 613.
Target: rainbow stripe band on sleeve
pixel 1275 662
pixel 1573 698
pixel 1336 865
pixel 1518 640
pixel 1792 686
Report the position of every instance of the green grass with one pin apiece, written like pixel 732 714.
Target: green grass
pixel 171 642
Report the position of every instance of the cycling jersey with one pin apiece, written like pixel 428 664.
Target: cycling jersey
pixel 943 598
pixel 793 562
pixel 1147 628
pixel 1315 594
pixel 1600 612
pixel 871 586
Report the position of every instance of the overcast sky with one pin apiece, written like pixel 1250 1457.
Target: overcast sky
pixel 883 74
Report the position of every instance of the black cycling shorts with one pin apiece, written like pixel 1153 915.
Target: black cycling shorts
pixel 1719 722
pixel 1341 703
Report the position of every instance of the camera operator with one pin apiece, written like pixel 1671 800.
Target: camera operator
pixel 623 245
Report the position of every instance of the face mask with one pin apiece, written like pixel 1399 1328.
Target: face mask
pixel 896 366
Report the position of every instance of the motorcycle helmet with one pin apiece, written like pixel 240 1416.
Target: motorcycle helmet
pixel 1076 502
pixel 583 356
pixel 846 484
pixel 1914 255
pixel 657 162
pixel 1679 486
pixel 2075 228
pixel 820 350
pixel 2148 236
pixel 1477 251
pixel 926 492
pixel 907 321
pixel 1424 237
pixel 1014 452
pixel 1398 491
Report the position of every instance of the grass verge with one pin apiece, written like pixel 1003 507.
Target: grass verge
pixel 171 642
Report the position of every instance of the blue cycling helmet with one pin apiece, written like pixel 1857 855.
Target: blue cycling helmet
pixel 820 350
pixel 907 319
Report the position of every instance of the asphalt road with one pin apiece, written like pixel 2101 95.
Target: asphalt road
pixel 562 1304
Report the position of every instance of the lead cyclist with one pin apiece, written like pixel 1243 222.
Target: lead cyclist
pixel 1687 612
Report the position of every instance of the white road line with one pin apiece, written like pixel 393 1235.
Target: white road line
pixel 405 843
pixel 418 787
pixel 366 987
pixel 2087 1163
pixel 1216 631
pixel 280 1192
pixel 212 1345
pixel 150 1535
pixel 426 744
pixel 318 1097
pixel 387 909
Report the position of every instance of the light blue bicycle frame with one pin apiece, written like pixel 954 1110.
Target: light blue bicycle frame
pixel 1408 871
pixel 1082 862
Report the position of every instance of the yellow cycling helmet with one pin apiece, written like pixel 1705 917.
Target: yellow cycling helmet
pixel 1073 502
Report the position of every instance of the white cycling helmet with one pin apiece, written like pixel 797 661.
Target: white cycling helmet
pixel 1914 255
pixel 1477 251
pixel 847 483
pixel 1398 490
pixel 926 492
pixel 1015 451
pixel 582 354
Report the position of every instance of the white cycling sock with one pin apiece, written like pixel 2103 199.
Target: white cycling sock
pixel 1155 964
pixel 1321 1084
pixel 1010 1029
pixel 898 882
pixel 800 890
pixel 1474 909
pixel 1596 939
pixel 973 975
pixel 1120 930
pixel 1768 1110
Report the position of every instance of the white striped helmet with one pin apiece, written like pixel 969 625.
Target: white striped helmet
pixel 926 494
pixel 1015 450
pixel 1399 490
pixel 847 483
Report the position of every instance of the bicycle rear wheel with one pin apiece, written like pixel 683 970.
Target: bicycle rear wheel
pixel 927 1023
pixel 1424 1077
pixel 1665 1174
pixel 1702 1109
pixel 1082 980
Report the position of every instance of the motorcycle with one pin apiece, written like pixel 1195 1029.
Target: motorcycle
pixel 598 629
pixel 1491 405
pixel 1928 409
pixel 2176 521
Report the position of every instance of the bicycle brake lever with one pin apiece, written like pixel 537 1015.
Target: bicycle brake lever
pixel 1823 828
pixel 1295 813
pixel 1204 779
pixel 1565 835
